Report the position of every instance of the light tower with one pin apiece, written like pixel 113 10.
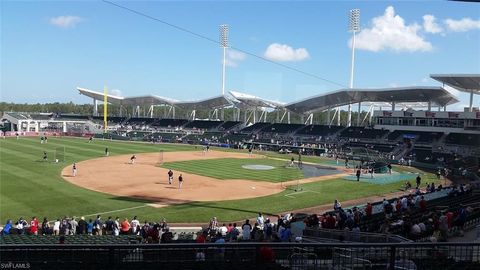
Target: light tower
pixel 224 45
pixel 354 27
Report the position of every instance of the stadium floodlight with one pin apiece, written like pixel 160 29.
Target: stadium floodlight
pixel 224 45
pixel 354 27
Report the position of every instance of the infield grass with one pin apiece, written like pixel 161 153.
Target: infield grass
pixel 30 187
pixel 231 168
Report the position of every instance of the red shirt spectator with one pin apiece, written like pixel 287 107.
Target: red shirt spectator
pixel 34 226
pixel 125 226
pixel 369 210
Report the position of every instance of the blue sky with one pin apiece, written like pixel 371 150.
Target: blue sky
pixel 50 48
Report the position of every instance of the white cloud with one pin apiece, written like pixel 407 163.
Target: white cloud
pixel 65 21
pixel 284 53
pixel 430 25
pixel 389 32
pixel 233 57
pixel 116 92
pixel 462 25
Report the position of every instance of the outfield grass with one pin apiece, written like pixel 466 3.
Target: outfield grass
pixel 231 168
pixel 30 187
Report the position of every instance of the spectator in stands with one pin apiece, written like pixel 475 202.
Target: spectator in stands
pixel 82 226
pixel 213 226
pixel 34 226
pixel 260 220
pixel 116 226
pixel 337 205
pixel 98 225
pixel 90 227
pixel 234 233
pixel 135 225
pixel 125 227
pixel 167 236
pixel 109 226
pixel 246 229
pixel 45 226
pixel 73 226
pixel 223 230
pixel 7 228
pixel 56 227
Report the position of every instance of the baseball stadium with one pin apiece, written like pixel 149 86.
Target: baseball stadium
pixel 240 180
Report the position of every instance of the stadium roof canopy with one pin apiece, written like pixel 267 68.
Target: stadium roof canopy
pixel 210 103
pixel 250 101
pixel 463 82
pixel 436 95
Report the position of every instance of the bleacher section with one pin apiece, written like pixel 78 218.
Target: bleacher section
pixel 255 127
pixel 171 123
pixel 281 128
pixel 418 136
pixel 319 130
pixel 203 124
pixel 363 133
pixel 463 139
pixel 24 239
pixel 227 125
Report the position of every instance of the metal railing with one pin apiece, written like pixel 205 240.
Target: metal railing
pixel 246 256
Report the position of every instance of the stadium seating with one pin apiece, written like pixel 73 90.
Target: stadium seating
pixel 363 133
pixel 463 139
pixel 227 125
pixel 281 128
pixel 203 124
pixel 168 122
pixel 255 127
pixel 319 130
pixel 418 136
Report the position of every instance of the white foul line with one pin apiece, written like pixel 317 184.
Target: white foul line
pixel 118 210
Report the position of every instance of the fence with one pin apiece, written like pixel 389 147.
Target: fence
pixel 244 256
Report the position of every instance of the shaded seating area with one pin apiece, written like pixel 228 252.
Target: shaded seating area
pixel 281 128
pixel 463 139
pixel 203 124
pixel 319 130
pixel 418 136
pixel 363 133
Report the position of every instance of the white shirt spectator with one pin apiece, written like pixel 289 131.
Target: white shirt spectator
pixel 260 221
pixel 56 225
pixel 223 230
pixel 134 223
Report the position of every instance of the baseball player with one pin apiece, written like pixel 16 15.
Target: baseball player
pixel 107 153
pixel 132 159
pixel 45 158
pixel 74 169
pixel 180 181
pixel 170 177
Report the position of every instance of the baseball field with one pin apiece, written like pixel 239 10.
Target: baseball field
pixel 215 184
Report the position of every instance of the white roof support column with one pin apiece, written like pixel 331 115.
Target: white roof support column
pixel 471 101
pixel 359 112
pixel 95 107
pixel 338 116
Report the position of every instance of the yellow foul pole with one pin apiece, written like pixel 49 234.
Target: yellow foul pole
pixel 105 92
